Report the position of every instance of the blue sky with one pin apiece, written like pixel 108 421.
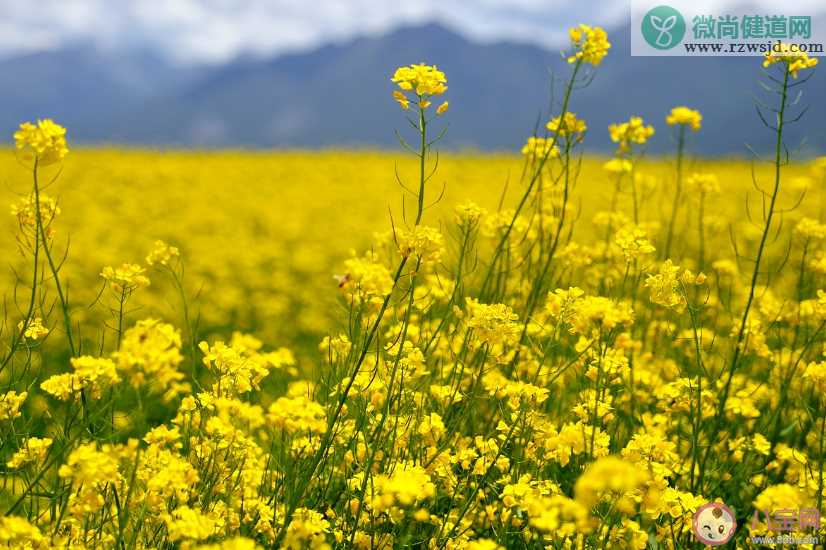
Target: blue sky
pixel 213 31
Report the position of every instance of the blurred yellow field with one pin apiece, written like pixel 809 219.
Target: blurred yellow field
pixel 264 233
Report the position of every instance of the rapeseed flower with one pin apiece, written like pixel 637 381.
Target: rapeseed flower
pixel 794 61
pixel 632 132
pixel 425 81
pixel 590 44
pixel 44 142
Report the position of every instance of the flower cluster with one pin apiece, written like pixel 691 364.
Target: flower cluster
pixel 794 61
pixel 44 142
pixel 426 81
pixel 590 44
pixel 684 116
pixel 634 131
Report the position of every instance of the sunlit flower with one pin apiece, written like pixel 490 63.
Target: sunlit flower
pixel 795 61
pixel 685 117
pixel 590 44
pixel 423 80
pixel 44 142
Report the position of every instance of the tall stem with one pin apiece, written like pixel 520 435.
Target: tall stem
pixel 700 216
pixel 64 304
pixel 677 192
pixel 20 335
pixel 329 432
pixel 534 178
pixel 741 333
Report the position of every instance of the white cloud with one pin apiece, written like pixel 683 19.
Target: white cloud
pixel 216 30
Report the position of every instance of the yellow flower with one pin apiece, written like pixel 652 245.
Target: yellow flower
pixel 234 543
pixel 469 213
pixel 424 242
pixel 184 523
pixel 795 61
pixel 365 279
pixel 406 486
pixel 684 116
pixel 297 415
pixel 34 330
pixel 568 126
pixel 483 544
pixel 634 242
pixel 492 323
pixel 423 80
pixel 17 532
pixel 10 403
pixel 633 131
pixel 664 287
pixel 33 451
pixel 558 517
pixel 761 444
pixel 126 278
pixel 162 254
pixel 442 109
pixel 149 356
pixel 538 148
pixel 402 99
pixel 590 44
pixel 92 374
pixel 618 166
pixel 614 480
pixel 809 228
pixel 307 530
pixel 44 142
pixel 90 470
pixel 25 210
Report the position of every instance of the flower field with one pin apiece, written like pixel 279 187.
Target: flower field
pixel 416 349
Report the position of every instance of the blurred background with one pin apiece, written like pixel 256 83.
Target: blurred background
pixel 287 73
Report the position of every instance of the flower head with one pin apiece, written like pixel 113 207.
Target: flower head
pixel 91 374
pixel 34 328
pixel 684 116
pixel 493 323
pixel 125 278
pixel 590 44
pixel 423 80
pixel 568 126
pixel 618 166
pixel 633 131
pixel 44 142
pixel 538 148
pixel 795 61
pixel 33 451
pixel 162 254
pixel 10 403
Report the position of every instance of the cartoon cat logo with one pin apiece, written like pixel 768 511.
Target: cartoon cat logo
pixel 714 524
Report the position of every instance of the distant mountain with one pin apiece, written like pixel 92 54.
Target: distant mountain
pixel 85 89
pixel 339 95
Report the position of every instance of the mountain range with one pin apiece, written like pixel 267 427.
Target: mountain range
pixel 340 95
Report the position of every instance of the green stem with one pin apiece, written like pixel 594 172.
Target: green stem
pixel 327 437
pixel 741 333
pixel 677 192
pixel 20 335
pixel 534 178
pixel 64 305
